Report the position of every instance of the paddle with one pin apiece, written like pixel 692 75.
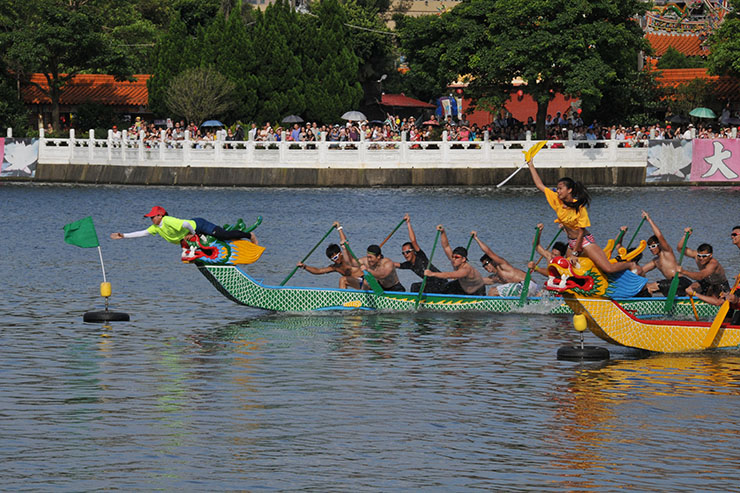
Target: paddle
pixel 528 155
pixel 392 232
pixel 308 255
pixel 636 231
pixel 470 241
pixel 693 306
pixel 714 328
pixel 369 278
pixel 674 283
pixel 552 242
pixel 528 276
pixel 429 265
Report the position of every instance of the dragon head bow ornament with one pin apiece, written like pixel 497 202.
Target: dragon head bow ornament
pixel 581 276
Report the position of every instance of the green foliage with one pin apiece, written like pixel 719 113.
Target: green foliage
pixel 724 45
pixel 92 115
pixel 673 58
pixel 637 99
pixel 13 113
pixel 332 89
pixel 575 47
pixel 696 93
pixel 199 94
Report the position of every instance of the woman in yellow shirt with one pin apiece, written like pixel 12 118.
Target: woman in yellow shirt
pixel 569 202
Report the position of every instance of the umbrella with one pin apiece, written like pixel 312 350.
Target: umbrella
pixel 212 123
pixel 702 113
pixel 430 122
pixel 292 119
pixel 354 116
pixel 731 121
pixel 678 119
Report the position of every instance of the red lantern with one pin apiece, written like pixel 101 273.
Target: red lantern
pixel 520 93
pixel 459 91
pixel 579 111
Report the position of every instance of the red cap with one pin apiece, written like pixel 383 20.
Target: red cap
pixel 156 211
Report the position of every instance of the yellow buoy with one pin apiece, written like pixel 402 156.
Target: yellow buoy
pixel 105 289
pixel 579 322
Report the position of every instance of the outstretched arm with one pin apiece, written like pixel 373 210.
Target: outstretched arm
pixel 487 250
pixel 658 234
pixel 445 241
pixel 536 176
pixel 412 235
pixel 135 234
pixel 689 251
pixel 540 249
pixel 316 270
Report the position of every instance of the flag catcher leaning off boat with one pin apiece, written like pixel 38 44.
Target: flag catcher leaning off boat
pixel 176 230
pixel 569 202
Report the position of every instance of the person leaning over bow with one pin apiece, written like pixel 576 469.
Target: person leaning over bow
pixel 465 279
pixel 570 203
pixel 176 230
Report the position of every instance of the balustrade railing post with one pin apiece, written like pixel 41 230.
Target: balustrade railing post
pixel 91 146
pixel 281 148
pixel 404 148
pixel 322 148
pixel 487 147
pixel 250 148
pixel 124 145
pixel 71 145
pixel 363 149
pixel 445 148
pixel 162 145
pixel 186 148
pixel 217 148
pixel 140 151
pixel 110 145
pixel 9 133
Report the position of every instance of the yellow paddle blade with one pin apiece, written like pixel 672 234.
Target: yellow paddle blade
pixel 532 151
pixel 245 252
pixel 717 323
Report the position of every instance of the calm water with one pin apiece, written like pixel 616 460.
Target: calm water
pixel 199 394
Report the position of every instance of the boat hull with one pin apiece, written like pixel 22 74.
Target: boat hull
pixel 612 323
pixel 234 283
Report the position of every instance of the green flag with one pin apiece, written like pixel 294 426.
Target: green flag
pixel 81 233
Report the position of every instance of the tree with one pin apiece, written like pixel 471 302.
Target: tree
pixel 574 47
pixel 332 88
pixel 60 40
pixel 673 58
pixel 200 93
pixel 280 78
pixel 687 96
pixel 724 45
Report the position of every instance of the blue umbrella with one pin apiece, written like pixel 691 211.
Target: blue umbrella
pixel 212 123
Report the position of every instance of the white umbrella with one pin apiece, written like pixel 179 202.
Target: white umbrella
pixel 354 116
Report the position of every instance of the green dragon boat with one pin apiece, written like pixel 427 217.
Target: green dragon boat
pixel 234 283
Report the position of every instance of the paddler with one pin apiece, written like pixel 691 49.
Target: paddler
pixel 465 279
pixel 710 278
pixel 559 249
pixel 570 202
pixel 416 260
pixel 382 268
pixel 176 230
pixel 510 279
pixel 342 263
pixel 664 260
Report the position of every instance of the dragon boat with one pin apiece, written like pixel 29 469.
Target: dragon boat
pixel 236 284
pixel 616 323
pixel 222 264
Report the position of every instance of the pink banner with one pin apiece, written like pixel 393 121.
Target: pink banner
pixel 715 160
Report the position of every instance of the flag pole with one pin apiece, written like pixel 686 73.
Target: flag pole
pixel 102 266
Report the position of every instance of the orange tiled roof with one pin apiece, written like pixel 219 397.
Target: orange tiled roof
pixel 401 100
pixel 688 44
pixel 96 88
pixel 723 86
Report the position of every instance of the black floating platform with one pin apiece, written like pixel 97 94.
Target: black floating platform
pixel 106 316
pixel 585 353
